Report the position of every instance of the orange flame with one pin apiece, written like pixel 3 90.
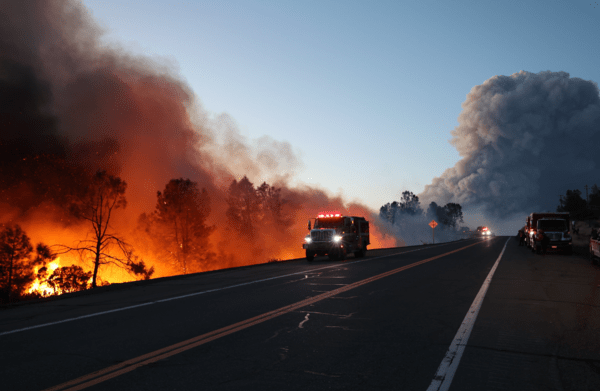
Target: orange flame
pixel 42 287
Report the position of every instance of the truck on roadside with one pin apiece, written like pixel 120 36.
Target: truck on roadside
pixel 555 226
pixel 337 236
pixel 595 246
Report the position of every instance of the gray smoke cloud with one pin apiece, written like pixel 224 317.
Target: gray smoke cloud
pixel 524 140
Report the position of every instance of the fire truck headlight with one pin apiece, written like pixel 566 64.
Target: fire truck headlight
pixel 307 239
pixel 337 238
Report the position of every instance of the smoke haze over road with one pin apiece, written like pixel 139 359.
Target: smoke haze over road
pixel 70 104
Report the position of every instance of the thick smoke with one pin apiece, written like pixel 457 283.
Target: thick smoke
pixel 524 139
pixel 70 105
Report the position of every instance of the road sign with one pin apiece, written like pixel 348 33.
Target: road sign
pixel 433 224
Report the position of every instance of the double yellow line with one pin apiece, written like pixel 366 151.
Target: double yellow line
pixel 157 355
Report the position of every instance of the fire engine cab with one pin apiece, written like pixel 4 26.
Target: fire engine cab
pixel 336 235
pixel 555 226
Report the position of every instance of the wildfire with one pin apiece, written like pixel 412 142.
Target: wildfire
pixel 42 287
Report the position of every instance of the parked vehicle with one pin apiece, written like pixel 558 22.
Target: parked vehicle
pixel 555 226
pixel 595 246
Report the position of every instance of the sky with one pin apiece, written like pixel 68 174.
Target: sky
pixel 366 93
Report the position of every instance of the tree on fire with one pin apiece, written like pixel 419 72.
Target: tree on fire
pixel 96 204
pixel 17 261
pixel 68 279
pixel 181 213
pixel 249 207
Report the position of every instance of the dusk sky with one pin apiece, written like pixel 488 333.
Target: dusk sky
pixel 366 93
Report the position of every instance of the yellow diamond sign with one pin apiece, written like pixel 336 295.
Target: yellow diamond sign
pixel 433 224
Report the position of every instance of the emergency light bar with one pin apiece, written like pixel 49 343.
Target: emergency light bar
pixel 329 214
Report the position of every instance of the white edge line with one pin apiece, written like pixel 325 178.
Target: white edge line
pixel 201 293
pixel 445 373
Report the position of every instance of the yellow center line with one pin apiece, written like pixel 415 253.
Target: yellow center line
pixel 160 354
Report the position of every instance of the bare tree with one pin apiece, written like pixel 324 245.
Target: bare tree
pixel 181 210
pixel 96 204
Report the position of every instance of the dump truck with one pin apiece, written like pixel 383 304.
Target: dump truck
pixel 554 225
pixel 336 236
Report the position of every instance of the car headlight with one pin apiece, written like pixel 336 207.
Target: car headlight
pixel 337 238
pixel 307 239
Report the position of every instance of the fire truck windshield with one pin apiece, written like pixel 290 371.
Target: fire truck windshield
pixel 552 225
pixel 329 222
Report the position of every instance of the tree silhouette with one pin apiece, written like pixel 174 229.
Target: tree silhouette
pixel 448 216
pixel 17 261
pixel 575 205
pixel 270 204
pixel 251 208
pixel 594 201
pixel 452 214
pixel 96 204
pixel 409 205
pixel 68 279
pixel 181 211
pixel 243 207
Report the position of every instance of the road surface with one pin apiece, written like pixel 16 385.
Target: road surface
pixel 385 322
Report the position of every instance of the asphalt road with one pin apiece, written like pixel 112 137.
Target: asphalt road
pixel 321 325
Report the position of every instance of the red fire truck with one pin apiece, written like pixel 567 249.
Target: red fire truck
pixel 336 236
pixel 556 226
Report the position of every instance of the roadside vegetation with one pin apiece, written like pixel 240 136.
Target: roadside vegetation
pixel 410 222
pixel 176 233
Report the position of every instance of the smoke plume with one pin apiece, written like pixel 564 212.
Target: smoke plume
pixel 70 105
pixel 524 139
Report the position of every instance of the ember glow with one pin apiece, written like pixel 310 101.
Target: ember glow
pixel 72 106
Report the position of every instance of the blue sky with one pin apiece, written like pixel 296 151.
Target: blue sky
pixel 366 92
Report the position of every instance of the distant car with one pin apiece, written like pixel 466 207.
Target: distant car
pixel 483 232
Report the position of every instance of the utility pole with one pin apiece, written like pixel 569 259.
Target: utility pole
pixel 561 200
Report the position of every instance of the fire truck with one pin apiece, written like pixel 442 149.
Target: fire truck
pixel 595 246
pixel 337 236
pixel 554 225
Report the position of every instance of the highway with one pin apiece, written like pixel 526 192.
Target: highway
pixel 384 322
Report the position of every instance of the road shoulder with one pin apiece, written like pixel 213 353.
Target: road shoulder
pixel 538 326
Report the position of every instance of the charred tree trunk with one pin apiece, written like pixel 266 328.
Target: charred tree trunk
pixel 96 264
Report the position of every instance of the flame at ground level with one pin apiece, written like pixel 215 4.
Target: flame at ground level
pixel 42 287
pixel 233 253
